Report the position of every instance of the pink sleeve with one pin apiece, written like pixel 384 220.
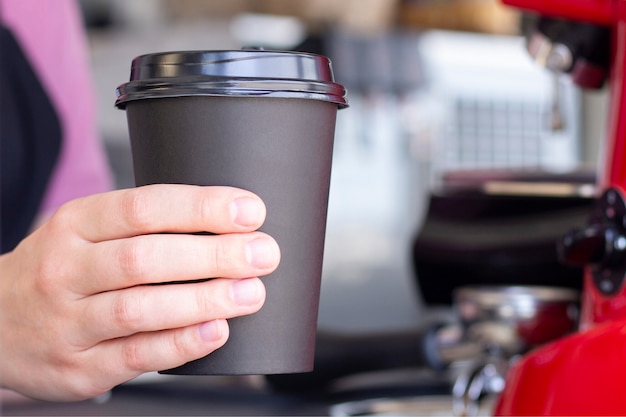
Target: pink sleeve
pixel 53 37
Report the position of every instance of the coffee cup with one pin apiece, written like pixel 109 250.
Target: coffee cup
pixel 259 120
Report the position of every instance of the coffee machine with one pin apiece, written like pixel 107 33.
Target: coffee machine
pixel 583 373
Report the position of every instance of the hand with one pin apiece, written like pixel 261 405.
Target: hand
pixel 76 315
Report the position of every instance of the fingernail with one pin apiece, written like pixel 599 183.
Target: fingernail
pixel 211 331
pixel 247 292
pixel 262 252
pixel 248 211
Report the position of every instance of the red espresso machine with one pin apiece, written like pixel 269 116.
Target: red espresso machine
pixel 584 373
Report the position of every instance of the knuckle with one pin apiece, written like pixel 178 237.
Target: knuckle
pixel 126 314
pixel 220 254
pixel 50 267
pixel 206 304
pixel 64 359
pixel 75 383
pixel 133 260
pixel 65 214
pixel 82 387
pixel 204 209
pixel 181 348
pixel 73 372
pixel 62 218
pixel 135 206
pixel 132 356
pixel 46 276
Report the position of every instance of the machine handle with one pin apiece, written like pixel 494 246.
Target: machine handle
pixel 595 244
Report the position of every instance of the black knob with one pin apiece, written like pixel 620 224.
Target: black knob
pixel 595 244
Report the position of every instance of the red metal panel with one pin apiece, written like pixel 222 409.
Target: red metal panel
pixel 583 374
pixel 593 11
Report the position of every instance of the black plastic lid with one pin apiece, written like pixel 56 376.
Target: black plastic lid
pixel 231 73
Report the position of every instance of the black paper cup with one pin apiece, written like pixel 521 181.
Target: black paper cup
pixel 262 121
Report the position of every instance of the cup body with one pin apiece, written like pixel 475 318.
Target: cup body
pixel 279 147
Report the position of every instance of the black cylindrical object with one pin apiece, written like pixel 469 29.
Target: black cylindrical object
pixel 262 121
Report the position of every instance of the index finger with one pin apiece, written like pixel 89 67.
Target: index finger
pixel 163 208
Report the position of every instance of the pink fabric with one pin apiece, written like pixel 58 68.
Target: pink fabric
pixel 52 35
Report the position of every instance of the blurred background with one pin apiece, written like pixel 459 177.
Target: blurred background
pixel 459 160
pixel 436 87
